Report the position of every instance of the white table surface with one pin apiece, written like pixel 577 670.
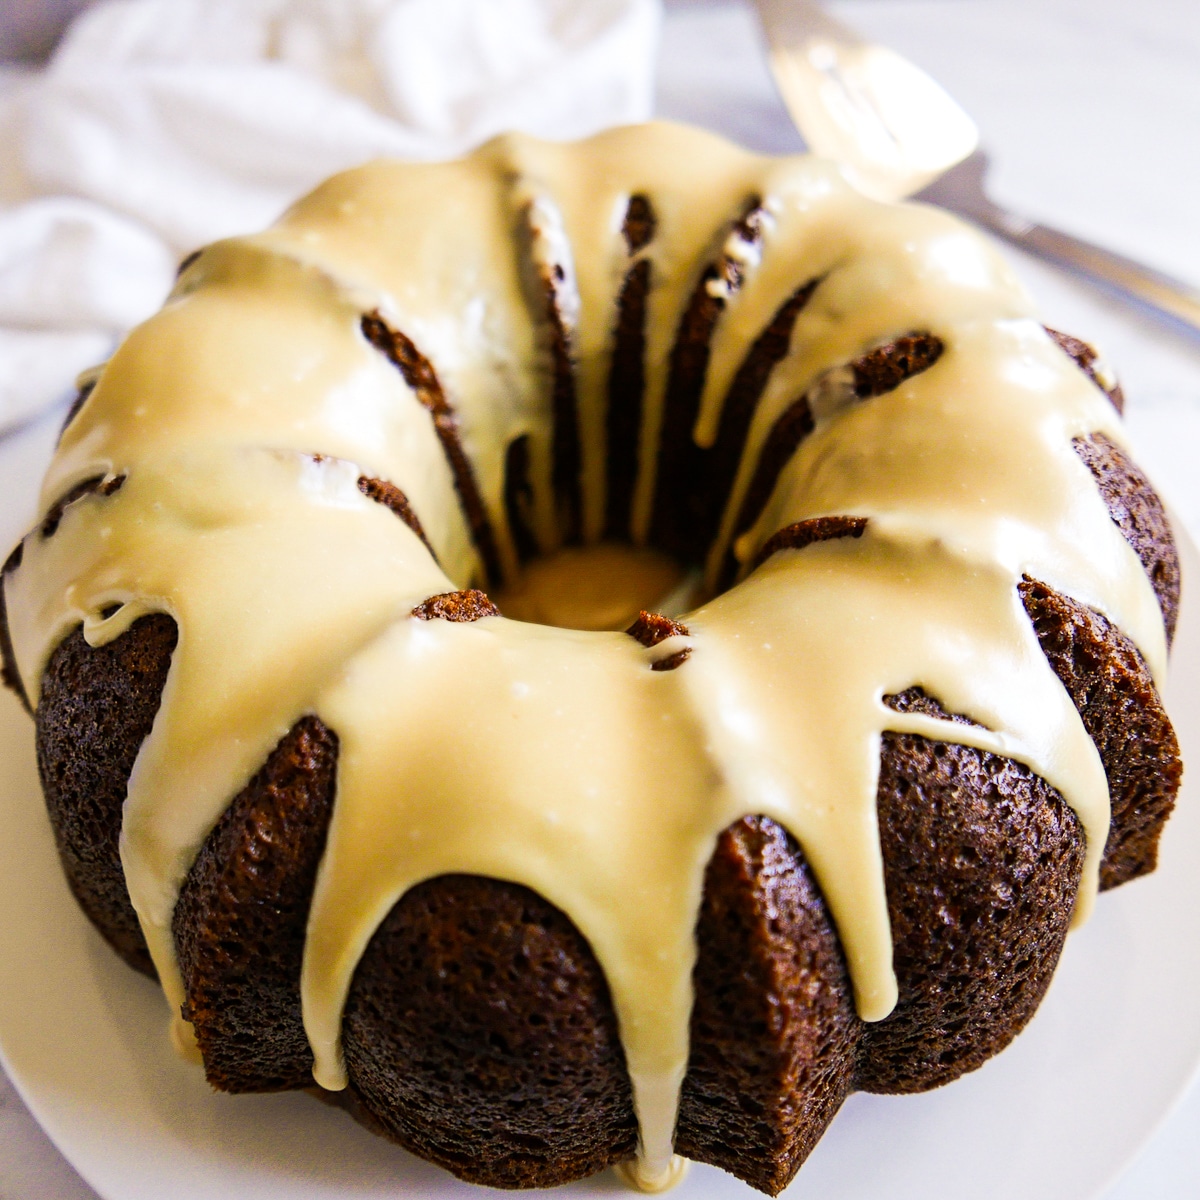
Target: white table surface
pixel 1090 110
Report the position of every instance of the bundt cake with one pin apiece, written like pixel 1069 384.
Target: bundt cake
pixel 850 706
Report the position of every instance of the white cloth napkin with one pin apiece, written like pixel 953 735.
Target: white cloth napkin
pixel 160 125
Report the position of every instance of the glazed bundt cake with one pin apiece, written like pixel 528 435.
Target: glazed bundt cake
pixel 836 699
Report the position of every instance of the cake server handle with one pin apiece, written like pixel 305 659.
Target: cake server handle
pixel 1163 297
pixel 1157 294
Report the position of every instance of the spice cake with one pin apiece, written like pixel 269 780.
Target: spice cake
pixel 549 898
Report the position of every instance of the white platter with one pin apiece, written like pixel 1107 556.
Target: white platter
pixel 1055 1117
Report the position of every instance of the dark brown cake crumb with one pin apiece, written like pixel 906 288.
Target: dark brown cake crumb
pixel 1138 512
pixel 468 605
pixel 626 392
pixel 518 498
pixel 982 860
pixel 76 404
pixel 804 533
pixel 879 371
pixel 714 480
pixel 627 372
pixel 419 374
pixel 1122 712
pixel 10 674
pixel 1086 359
pixel 97 706
pixel 639 224
pixel 792 427
pixel 97 484
pixel 651 628
pixel 918 700
pixel 548 302
pixel 672 660
pixel 390 496
pixel 240 921
pixel 679 458
pixel 187 261
pixel 885 368
pixel 479 1033
pixel 774 1033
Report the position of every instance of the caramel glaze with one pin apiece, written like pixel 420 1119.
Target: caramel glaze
pixel 696 349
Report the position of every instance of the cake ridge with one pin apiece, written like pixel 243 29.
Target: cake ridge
pixel 626 381
pixel 420 375
pixel 678 455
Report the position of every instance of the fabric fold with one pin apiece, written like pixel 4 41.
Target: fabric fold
pixel 160 125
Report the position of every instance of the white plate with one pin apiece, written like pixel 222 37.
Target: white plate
pixel 1055 1117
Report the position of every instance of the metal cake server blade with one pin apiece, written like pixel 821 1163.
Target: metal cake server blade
pixel 897 133
pixel 890 126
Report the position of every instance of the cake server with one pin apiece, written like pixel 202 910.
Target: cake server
pixel 897 133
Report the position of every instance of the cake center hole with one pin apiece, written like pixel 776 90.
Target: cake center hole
pixel 597 587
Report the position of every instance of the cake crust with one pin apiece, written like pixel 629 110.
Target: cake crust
pixel 1124 715
pixel 1138 512
pixel 96 707
pixel 982 861
pixel 774 1033
pixel 241 917
pixel 479 1033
